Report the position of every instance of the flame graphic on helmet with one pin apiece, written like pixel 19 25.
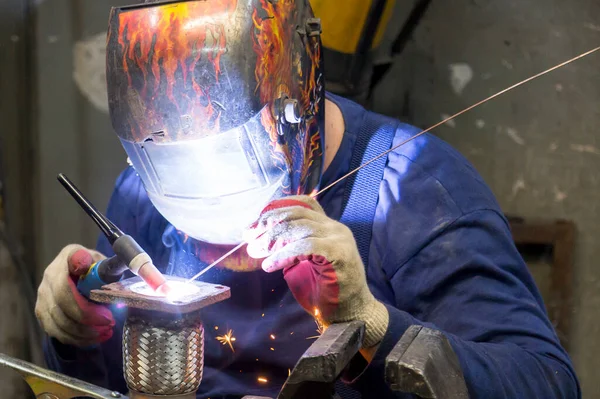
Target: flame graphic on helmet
pixel 274 59
pixel 311 139
pixel 276 69
pixel 280 153
pixel 165 43
pixel 273 71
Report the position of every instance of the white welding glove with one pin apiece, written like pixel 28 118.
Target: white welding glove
pixel 62 311
pixel 320 262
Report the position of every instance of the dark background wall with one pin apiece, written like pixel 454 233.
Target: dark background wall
pixel 75 136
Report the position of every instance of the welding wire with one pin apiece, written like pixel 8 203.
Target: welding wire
pixel 383 154
pixel 456 115
pixel 215 263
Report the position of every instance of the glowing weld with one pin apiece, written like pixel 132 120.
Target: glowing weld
pixel 179 290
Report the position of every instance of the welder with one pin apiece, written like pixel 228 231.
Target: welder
pixel 221 109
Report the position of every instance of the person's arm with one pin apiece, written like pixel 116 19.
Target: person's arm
pixel 471 283
pixel 90 364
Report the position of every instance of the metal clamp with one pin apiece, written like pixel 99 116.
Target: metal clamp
pixel 47 384
pixel 423 363
pixel 320 366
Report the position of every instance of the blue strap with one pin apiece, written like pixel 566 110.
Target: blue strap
pixel 362 188
pixel 362 192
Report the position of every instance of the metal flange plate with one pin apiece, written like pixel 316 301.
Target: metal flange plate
pixel 187 298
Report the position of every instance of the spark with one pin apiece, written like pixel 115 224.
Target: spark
pixel 289 372
pixel 216 327
pixel 273 349
pixel 320 325
pixel 263 315
pixel 272 336
pixel 262 380
pixel 227 339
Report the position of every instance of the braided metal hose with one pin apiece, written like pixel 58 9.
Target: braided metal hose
pixel 163 356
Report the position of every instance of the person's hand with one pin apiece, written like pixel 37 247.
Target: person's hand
pixel 62 311
pixel 320 262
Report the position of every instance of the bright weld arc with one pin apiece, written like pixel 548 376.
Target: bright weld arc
pixel 383 154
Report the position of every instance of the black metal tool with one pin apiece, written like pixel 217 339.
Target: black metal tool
pixel 129 254
pixel 112 232
pixel 423 363
pixel 320 366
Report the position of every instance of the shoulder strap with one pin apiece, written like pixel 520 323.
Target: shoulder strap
pixel 362 189
pixel 362 192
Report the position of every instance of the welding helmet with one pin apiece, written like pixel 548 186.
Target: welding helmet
pixel 219 105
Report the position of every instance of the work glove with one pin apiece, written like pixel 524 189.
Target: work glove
pixel 320 262
pixel 62 311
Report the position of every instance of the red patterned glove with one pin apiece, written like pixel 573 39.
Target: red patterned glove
pixel 62 311
pixel 320 262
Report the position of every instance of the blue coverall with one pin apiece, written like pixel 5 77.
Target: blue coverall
pixel 441 255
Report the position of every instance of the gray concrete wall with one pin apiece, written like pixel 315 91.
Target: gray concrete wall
pixel 75 136
pixel 537 147
pixel 13 341
pixel 15 173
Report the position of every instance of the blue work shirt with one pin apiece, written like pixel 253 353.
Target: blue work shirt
pixel 441 255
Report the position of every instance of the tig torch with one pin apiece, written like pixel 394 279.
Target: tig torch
pixel 128 254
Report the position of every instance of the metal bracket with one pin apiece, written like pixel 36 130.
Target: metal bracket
pixel 123 292
pixel 312 28
pixel 424 363
pixel 47 384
